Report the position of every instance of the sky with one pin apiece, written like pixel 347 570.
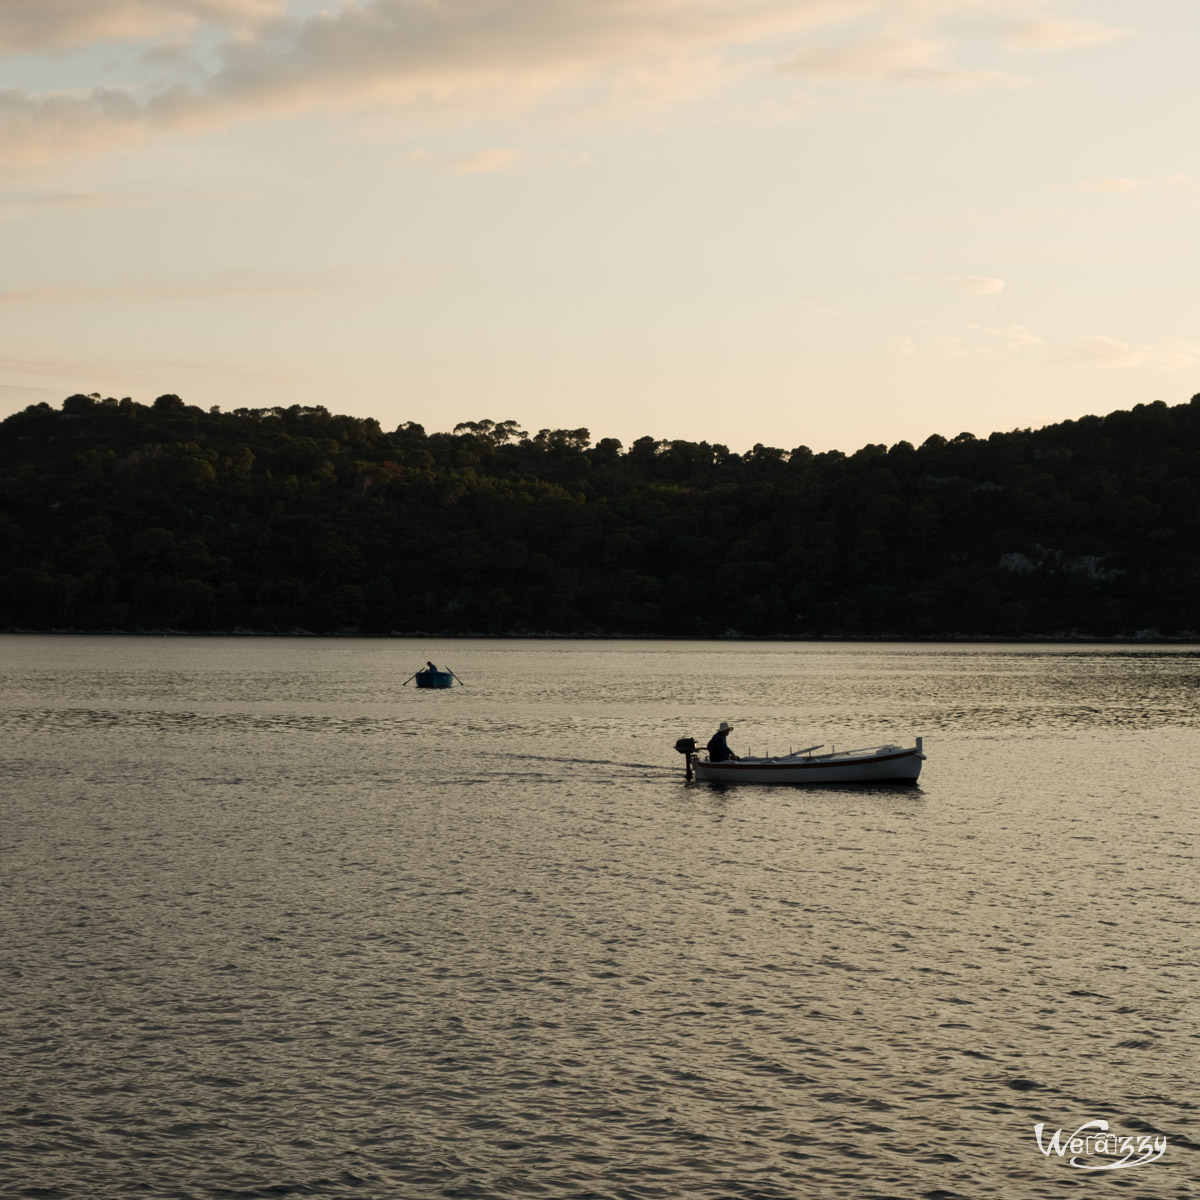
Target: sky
pixel 795 222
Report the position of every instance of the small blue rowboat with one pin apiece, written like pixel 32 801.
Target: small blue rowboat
pixel 430 677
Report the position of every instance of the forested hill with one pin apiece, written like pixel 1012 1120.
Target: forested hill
pixel 116 515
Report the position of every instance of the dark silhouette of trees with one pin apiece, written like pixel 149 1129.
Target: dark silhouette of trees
pixel 117 515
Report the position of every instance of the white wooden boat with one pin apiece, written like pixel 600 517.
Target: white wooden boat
pixel 873 764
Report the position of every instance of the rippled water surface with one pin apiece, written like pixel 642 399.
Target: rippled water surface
pixel 272 924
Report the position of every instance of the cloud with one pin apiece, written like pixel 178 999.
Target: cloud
pixel 1178 356
pixel 1059 35
pixel 979 285
pixel 12 203
pixel 899 61
pixel 1113 183
pixel 1095 350
pixel 1125 183
pixel 1107 352
pixel 229 285
pixel 481 162
pixel 81 374
pixel 36 130
pixel 987 340
pixel 10 391
pixel 1110 354
pixel 976 285
pixel 1013 337
pixel 412 51
pixel 31 202
pixel 487 162
pixel 455 56
pixel 952 348
pixel 35 25
pixel 245 59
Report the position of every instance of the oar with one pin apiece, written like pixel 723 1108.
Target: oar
pixel 410 679
pixel 460 682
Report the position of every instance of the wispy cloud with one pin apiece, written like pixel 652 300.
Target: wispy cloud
pixel 102 373
pixel 36 129
pixel 479 162
pixel 1109 353
pixel 1127 183
pixel 228 285
pixel 1113 183
pixel 979 285
pixel 1049 34
pixel 1094 350
pixel 35 25
pixel 952 347
pixel 488 162
pixel 1011 337
pixel 975 285
pixel 1101 351
pixel 13 203
pixel 17 391
pixel 898 61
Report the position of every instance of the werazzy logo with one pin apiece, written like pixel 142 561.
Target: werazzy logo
pixel 1119 1150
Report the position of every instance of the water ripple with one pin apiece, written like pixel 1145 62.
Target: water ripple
pixel 274 926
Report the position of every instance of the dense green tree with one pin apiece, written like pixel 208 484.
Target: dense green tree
pixel 117 515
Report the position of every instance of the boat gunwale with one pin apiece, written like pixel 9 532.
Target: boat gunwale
pixel 805 764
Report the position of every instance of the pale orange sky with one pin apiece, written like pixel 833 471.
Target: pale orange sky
pixel 821 222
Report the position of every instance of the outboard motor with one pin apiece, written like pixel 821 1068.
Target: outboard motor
pixel 687 747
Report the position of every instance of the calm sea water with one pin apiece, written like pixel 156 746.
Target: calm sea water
pixel 272 924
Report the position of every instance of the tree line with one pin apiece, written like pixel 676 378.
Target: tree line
pixel 116 515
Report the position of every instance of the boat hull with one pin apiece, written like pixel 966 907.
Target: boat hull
pixel 434 679
pixel 892 764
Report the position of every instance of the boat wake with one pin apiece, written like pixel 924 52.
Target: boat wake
pixel 583 762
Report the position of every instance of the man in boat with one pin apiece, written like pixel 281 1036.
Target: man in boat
pixel 718 750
